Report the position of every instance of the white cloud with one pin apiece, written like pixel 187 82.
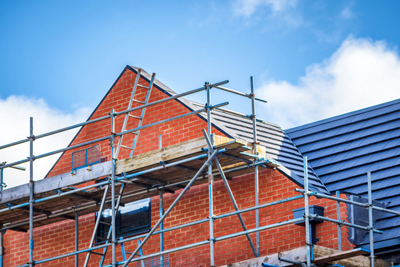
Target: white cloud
pixel 14 122
pixel 247 8
pixel 359 74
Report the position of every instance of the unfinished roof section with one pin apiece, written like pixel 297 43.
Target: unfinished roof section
pixel 279 147
pixel 344 148
pixel 234 125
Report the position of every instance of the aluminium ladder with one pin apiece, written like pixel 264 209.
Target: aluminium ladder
pixel 132 148
pixel 140 118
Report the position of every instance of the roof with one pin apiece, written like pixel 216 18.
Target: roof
pixel 342 149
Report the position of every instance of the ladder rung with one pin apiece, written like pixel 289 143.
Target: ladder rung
pixel 97 253
pixel 135 117
pixel 135 133
pixel 106 223
pixel 143 86
pixel 141 102
pixel 127 147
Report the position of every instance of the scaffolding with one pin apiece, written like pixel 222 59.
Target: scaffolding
pixel 210 159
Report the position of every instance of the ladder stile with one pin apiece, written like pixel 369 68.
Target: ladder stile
pixel 143 112
pixel 96 225
pixel 127 114
pixel 121 192
pixel 139 118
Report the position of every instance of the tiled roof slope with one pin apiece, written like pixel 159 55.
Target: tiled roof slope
pixel 342 149
pixel 279 147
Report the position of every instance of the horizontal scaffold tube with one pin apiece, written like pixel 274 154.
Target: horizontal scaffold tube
pixel 239 93
pixel 54 196
pixel 349 201
pixel 171 119
pixel 108 116
pixel 68 254
pixel 109 136
pixel 201 243
pixel 258 207
pixel 315 216
pixel 258 229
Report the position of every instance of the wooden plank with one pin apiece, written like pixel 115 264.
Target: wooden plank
pixel 341 255
pixel 185 149
pixel 356 261
pixel 163 154
pixel 299 254
pixel 42 187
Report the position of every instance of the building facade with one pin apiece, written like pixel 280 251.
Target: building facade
pixel 274 184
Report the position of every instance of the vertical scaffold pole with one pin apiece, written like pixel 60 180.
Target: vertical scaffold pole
pixel 339 227
pixel 256 182
pixel 161 226
pixel 371 223
pixel 76 238
pixel 307 213
pixel 228 189
pixel 113 226
pixel 157 224
pixel 1 247
pixel 31 242
pixel 161 211
pixel 210 178
pixel 1 177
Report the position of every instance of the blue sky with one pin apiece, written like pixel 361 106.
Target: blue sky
pixel 310 59
pixel 70 52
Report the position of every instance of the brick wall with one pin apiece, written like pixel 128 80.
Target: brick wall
pixel 58 238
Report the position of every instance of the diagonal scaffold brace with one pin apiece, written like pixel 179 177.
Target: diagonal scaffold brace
pixel 199 172
pixel 222 174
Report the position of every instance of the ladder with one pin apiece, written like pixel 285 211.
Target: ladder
pixel 132 148
pixel 98 221
pixel 103 256
pixel 142 264
pixel 92 240
pixel 128 115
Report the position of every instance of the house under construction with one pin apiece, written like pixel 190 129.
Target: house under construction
pixel 153 179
